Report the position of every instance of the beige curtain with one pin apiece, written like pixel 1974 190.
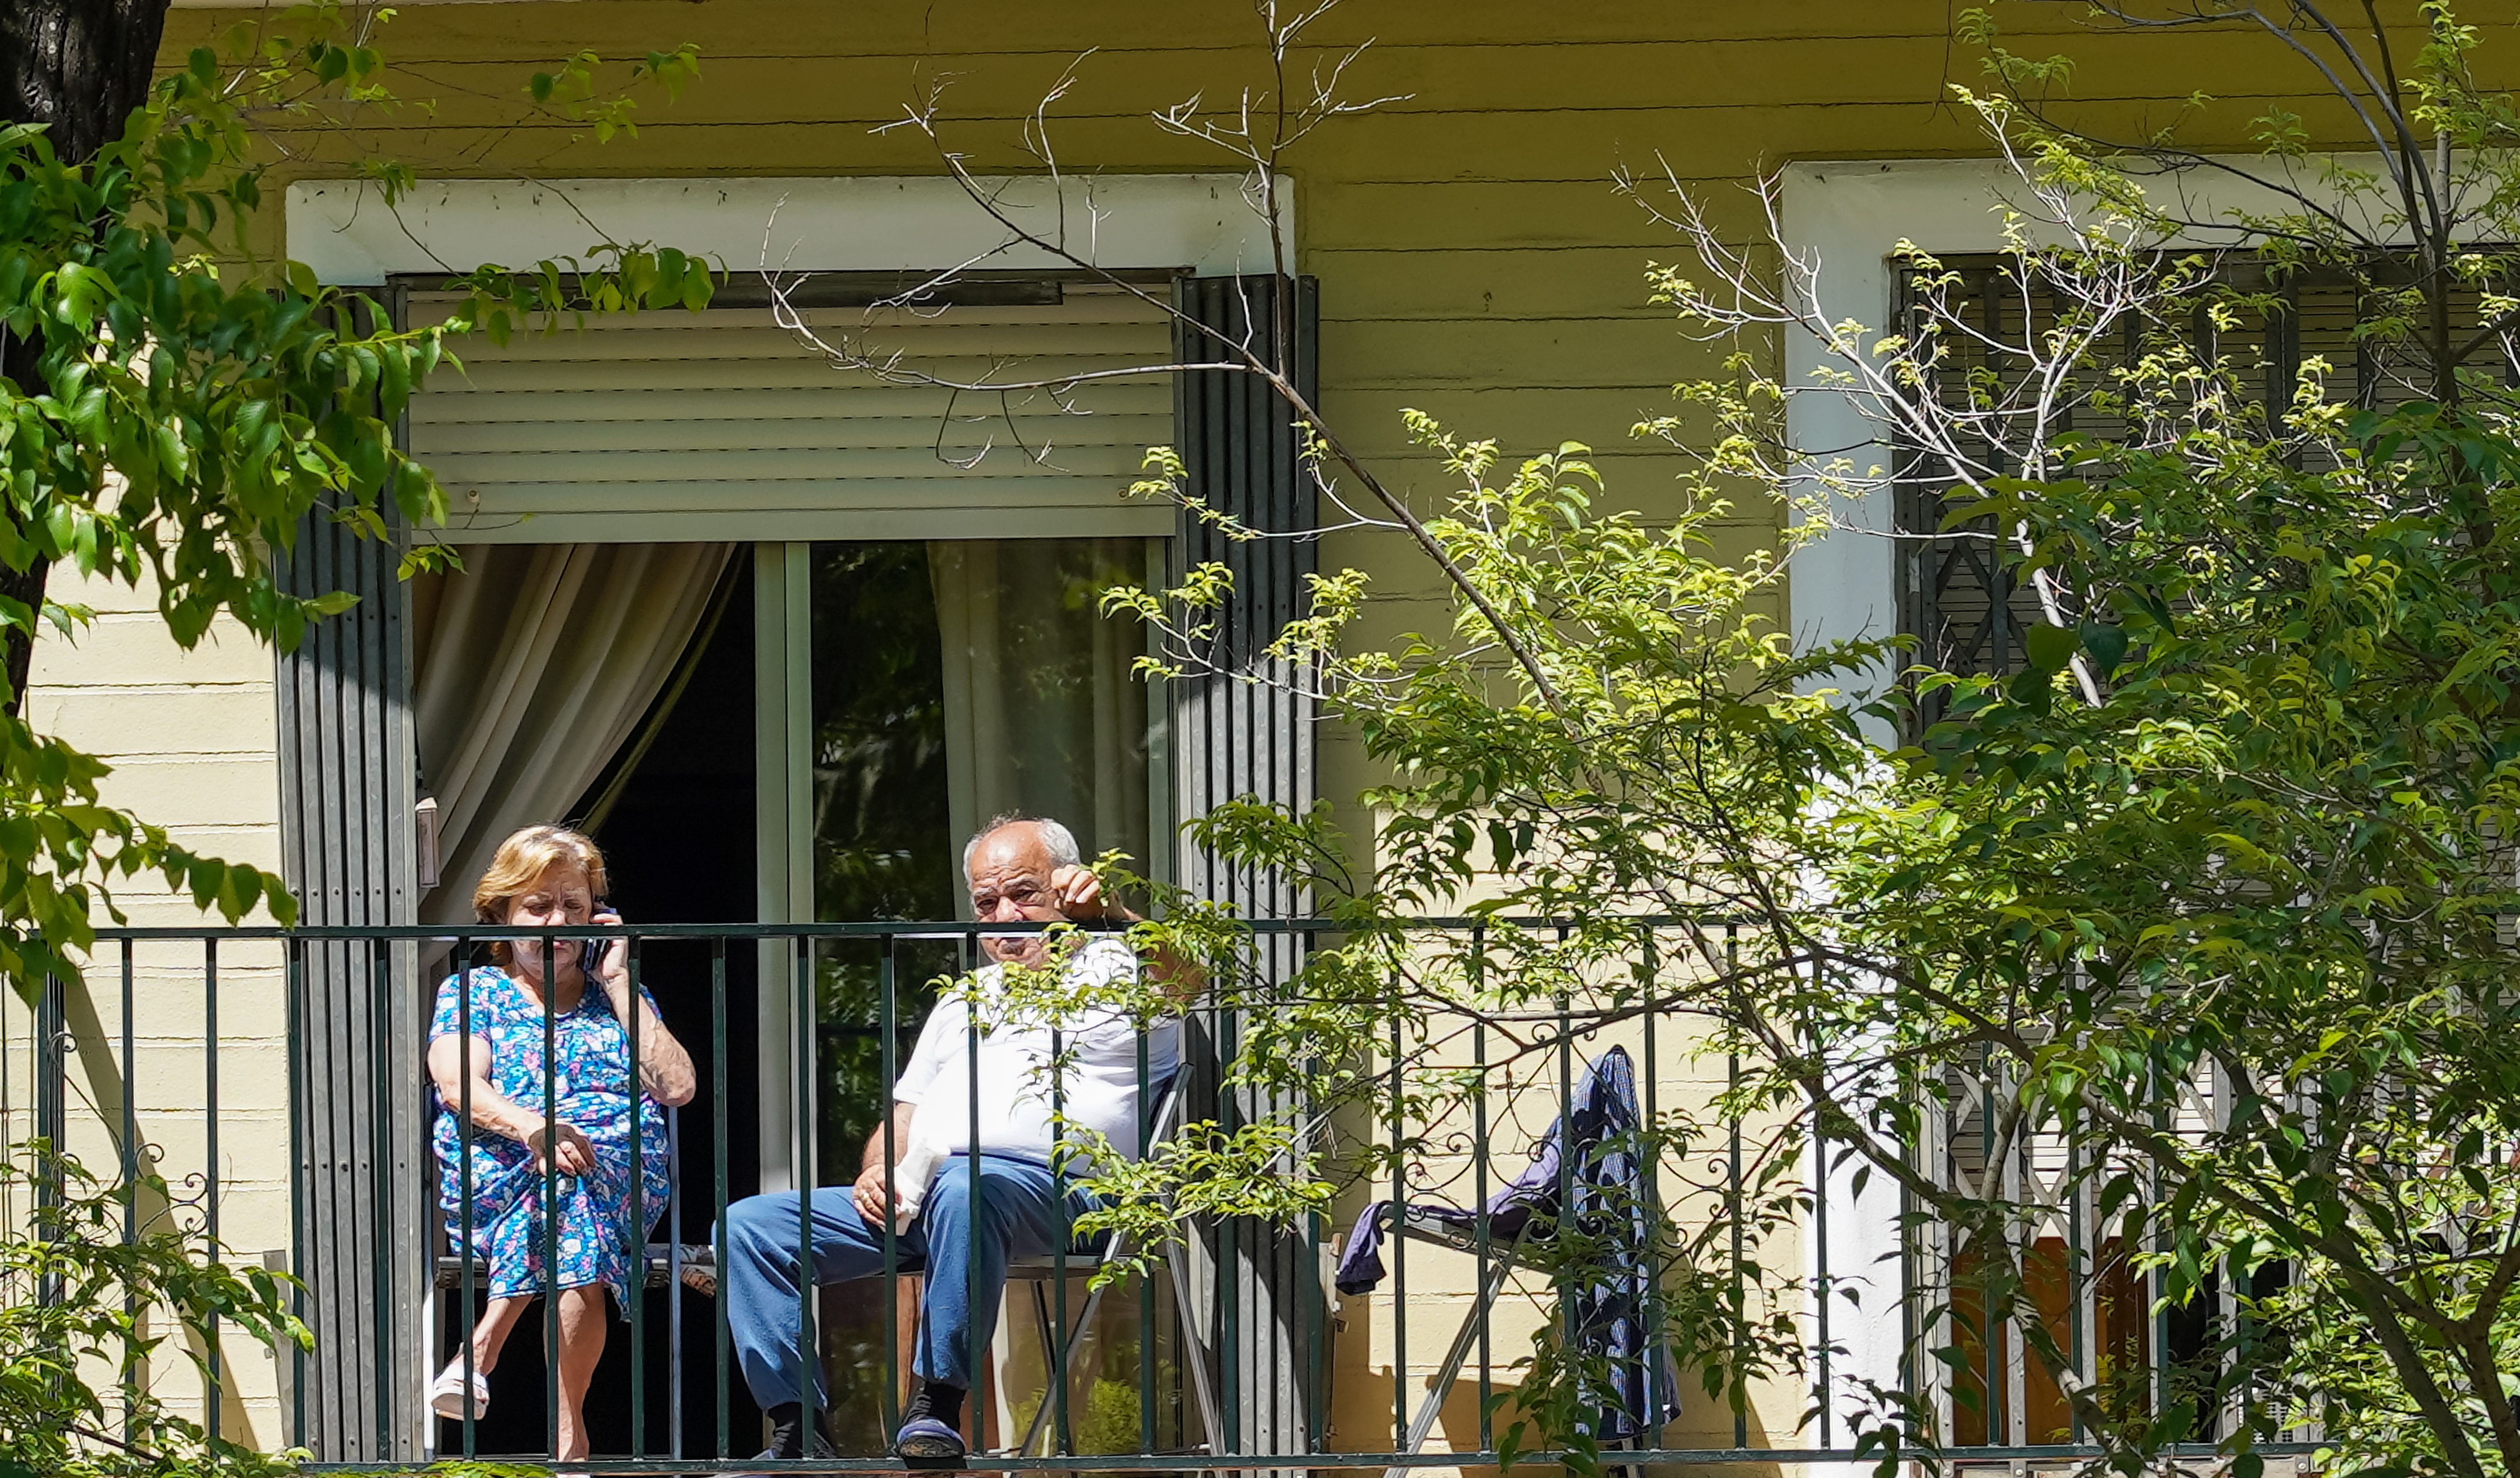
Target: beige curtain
pixel 1042 711
pixel 531 669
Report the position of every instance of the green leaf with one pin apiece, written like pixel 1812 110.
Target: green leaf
pixel 2051 648
pixel 2106 643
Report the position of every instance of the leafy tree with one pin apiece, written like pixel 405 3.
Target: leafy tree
pixel 175 406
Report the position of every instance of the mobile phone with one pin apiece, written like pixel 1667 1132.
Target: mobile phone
pixel 596 943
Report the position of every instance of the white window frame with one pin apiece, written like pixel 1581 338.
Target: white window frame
pixel 1205 223
pixel 1844 218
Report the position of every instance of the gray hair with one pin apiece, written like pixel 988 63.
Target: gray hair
pixel 1056 839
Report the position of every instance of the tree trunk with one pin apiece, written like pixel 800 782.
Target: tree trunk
pixel 79 68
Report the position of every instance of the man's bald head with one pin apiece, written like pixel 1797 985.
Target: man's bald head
pixel 1013 867
pixel 1058 842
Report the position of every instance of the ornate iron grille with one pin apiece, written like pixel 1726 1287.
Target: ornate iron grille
pixel 1959 594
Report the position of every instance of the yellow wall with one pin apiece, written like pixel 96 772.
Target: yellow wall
pixel 1475 261
pixel 191 735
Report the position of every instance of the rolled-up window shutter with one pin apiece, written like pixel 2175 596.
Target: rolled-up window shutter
pixel 722 426
pixel 1240 448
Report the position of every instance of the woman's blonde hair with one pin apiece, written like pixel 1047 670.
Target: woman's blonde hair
pixel 520 863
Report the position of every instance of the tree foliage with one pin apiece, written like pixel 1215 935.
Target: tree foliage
pixel 178 408
pixel 193 404
pixel 94 1327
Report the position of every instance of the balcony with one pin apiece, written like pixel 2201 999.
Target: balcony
pixel 276 1079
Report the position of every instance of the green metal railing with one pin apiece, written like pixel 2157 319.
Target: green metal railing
pixel 1234 1330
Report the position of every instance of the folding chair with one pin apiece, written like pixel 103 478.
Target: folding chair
pixel 1523 1213
pixel 1059 1363
pixel 1417 1224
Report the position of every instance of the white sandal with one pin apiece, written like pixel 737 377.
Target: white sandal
pixel 446 1393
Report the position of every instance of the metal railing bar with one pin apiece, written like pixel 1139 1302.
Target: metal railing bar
pixel 2078 1280
pixel 1845 1458
pixel 130 1158
pixel 1483 1229
pixel 1997 1413
pixel 1823 1285
pixel 214 1378
pixel 1650 1162
pixel 1229 1280
pixel 551 1194
pixel 1736 1396
pixel 675 1443
pixel 463 1177
pixel 1313 1305
pixel 801 1090
pixel 888 1399
pixel 1146 1285
pixel 887 1016
pixel 294 988
pixel 634 1237
pixel 1399 1247
pixel 886 928
pixel 719 1171
pixel 426 1303
pixel 973 1218
pixel 1314 1309
pixel 1562 1231
pixel 376 1147
pixel 1058 1375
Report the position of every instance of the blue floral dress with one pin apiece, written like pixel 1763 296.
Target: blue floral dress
pixel 591 1085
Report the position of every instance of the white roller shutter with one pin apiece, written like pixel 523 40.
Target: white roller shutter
pixel 719 424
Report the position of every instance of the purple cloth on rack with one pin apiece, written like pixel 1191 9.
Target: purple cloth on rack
pixel 1607 1296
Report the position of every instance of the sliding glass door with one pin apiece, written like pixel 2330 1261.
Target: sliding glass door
pixel 910 691
pixel 957 681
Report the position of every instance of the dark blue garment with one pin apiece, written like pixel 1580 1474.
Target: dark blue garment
pixel 1606 1293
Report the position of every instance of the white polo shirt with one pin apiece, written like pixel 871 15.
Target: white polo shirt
pixel 1099 1088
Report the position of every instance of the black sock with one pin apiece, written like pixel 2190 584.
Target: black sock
pixel 787 1429
pixel 791 1436
pixel 944 1402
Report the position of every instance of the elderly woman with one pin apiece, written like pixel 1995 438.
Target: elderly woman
pixel 550 1032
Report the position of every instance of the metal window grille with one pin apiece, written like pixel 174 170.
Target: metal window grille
pixel 1959 594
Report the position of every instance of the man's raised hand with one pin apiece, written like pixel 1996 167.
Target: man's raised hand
pixel 1078 895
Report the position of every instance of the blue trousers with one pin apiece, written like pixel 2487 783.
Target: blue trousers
pixel 1016 1215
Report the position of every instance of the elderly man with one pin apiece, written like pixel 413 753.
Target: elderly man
pixel 1019 869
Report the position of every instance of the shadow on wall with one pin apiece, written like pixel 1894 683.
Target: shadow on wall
pixel 1361 1395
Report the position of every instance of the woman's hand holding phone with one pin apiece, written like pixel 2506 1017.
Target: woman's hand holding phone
pixel 608 961
pixel 664 1067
